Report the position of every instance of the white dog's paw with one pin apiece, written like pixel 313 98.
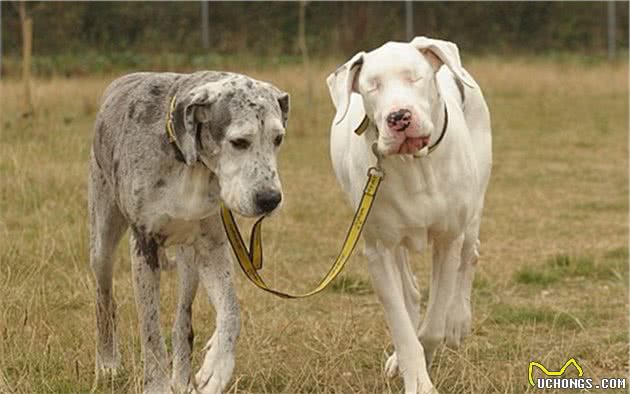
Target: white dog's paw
pixel 216 371
pixel 391 366
pixel 418 382
pixel 414 371
pixel 458 324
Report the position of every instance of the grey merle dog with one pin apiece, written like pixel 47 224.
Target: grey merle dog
pixel 168 149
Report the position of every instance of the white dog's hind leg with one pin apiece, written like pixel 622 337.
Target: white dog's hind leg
pixel 386 279
pixel 145 268
pixel 459 316
pixel 410 287
pixel 412 302
pixel 107 225
pixel 215 270
pixel 446 260
pixel 182 334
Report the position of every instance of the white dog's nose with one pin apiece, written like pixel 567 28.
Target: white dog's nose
pixel 399 120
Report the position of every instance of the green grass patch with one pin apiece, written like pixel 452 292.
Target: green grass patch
pixel 619 338
pixel 481 282
pixel 599 206
pixel 351 285
pixel 562 267
pixel 536 276
pixel 99 63
pixel 509 314
pixel 617 254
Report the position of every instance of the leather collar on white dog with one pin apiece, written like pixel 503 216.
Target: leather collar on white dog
pixel 366 122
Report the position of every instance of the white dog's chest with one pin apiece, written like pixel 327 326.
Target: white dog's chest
pixel 416 199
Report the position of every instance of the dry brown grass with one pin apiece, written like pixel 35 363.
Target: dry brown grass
pixel 552 282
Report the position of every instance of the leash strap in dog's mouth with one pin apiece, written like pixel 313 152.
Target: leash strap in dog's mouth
pixel 251 261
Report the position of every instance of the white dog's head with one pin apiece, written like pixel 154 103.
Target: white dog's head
pixel 399 90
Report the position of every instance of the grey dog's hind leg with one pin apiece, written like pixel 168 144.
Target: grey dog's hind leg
pixel 107 225
pixel 182 328
pixel 145 268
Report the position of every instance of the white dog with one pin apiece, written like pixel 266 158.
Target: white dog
pixel 431 126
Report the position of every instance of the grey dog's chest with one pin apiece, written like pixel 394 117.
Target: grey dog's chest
pixel 180 205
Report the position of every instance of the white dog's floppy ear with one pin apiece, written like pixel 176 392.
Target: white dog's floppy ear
pixel 341 85
pixel 440 52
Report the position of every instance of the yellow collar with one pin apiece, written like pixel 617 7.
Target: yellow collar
pixel 170 127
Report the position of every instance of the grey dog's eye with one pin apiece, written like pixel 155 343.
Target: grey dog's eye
pixel 278 140
pixel 240 143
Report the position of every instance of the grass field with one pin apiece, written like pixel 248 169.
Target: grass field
pixel 552 281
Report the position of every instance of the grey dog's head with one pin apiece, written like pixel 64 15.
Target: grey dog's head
pixel 235 126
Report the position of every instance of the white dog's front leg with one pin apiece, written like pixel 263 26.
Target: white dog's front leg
pixel 386 279
pixel 215 270
pixel 446 259
pixel 459 317
pixel 412 302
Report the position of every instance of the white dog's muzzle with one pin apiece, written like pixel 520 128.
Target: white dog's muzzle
pixel 421 152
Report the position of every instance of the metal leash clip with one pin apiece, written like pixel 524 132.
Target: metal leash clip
pixel 376 170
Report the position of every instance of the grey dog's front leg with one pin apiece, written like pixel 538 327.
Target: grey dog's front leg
pixel 146 280
pixel 215 269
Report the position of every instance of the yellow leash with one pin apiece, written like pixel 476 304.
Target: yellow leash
pixel 251 260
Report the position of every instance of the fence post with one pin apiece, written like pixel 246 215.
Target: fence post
pixel 0 39
pixel 611 30
pixel 205 29
pixel 27 50
pixel 304 50
pixel 409 19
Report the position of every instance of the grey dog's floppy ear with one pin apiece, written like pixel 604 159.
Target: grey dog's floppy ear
pixel 439 52
pixel 191 110
pixel 285 106
pixel 283 101
pixel 341 84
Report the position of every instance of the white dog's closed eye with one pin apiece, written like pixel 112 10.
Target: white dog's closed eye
pixel 342 83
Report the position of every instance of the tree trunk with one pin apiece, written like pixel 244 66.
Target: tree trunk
pixel 27 50
pixel 304 51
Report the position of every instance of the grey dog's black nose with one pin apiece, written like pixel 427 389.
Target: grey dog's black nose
pixel 268 200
